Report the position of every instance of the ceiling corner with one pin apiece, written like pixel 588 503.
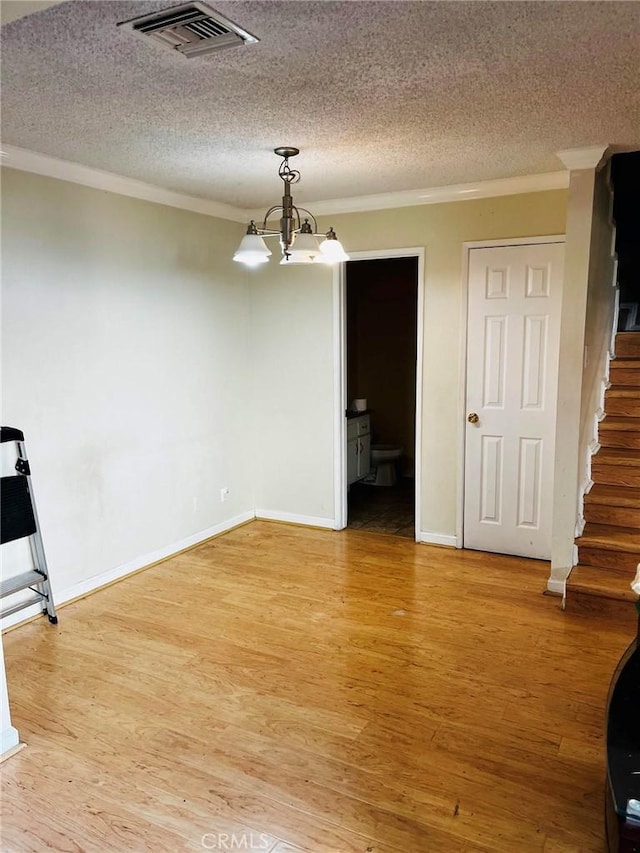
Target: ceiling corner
pixel 11 10
pixel 590 157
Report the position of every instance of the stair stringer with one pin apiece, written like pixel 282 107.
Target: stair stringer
pixel 592 448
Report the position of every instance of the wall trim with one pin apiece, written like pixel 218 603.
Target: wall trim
pixel 340 403
pixel 65 170
pixel 590 157
pixel 84 587
pixel 428 537
pixel 417 473
pixel 295 518
pixel 12 751
pixel 557 587
pixel 9 740
pixel 616 317
pixel 438 195
pixel 592 449
pixel 513 241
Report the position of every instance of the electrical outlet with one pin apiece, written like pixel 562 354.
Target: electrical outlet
pixel 224 494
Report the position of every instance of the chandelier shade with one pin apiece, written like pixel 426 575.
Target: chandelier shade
pixel 331 251
pixel 298 240
pixel 252 250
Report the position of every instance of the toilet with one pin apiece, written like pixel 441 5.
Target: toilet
pixel 384 458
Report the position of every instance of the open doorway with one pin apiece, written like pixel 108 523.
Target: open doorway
pixel 381 357
pixel 625 176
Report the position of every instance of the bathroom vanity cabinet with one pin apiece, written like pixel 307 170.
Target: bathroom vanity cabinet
pixel 358 448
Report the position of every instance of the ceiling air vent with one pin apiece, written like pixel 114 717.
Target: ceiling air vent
pixel 192 29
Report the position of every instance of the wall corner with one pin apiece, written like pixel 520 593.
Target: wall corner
pixel 9 738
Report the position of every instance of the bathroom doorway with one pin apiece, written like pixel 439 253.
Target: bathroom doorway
pixel 380 383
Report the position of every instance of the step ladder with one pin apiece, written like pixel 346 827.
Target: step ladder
pixel 18 520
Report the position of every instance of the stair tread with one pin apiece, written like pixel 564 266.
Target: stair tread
pixel 610 537
pixel 631 391
pixel 628 457
pixel 625 376
pixel 620 438
pixel 600 581
pixel 630 421
pixel 603 493
pixel 620 422
pixel 625 363
pixel 592 555
pixel 628 344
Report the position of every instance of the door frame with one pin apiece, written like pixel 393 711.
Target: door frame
pixel 464 332
pixel 340 377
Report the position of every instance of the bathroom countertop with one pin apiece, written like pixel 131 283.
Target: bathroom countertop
pixel 351 414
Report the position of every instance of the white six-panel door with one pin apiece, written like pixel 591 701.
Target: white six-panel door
pixel 512 368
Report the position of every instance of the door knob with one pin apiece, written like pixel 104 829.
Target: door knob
pixel 473 418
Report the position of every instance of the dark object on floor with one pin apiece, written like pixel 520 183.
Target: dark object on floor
pixel 623 755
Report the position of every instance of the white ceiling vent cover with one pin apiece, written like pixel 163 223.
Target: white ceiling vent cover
pixel 192 29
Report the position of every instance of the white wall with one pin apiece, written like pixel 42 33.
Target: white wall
pixel 293 332
pixel 8 734
pixel 126 363
pixel 292 396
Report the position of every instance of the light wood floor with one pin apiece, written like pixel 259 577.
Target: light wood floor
pixel 295 689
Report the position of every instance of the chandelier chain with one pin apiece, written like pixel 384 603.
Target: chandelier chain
pixel 288 175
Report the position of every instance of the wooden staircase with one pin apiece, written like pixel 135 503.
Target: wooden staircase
pixel 609 548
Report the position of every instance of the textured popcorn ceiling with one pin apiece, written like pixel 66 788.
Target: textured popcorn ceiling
pixel 379 96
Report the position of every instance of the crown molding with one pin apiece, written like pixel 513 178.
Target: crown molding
pixel 438 195
pixel 41 164
pixel 583 158
pixel 52 167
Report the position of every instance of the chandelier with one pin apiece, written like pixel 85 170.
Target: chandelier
pixel 298 239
